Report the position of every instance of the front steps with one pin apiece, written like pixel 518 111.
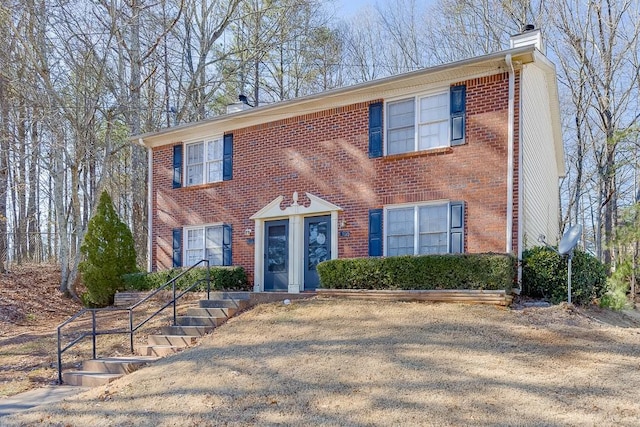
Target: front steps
pixel 190 327
pixel 97 372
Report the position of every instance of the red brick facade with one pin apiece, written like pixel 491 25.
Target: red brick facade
pixel 326 154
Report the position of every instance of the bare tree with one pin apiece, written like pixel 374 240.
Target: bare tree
pixel 596 43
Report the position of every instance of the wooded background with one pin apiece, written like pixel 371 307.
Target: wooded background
pixel 79 77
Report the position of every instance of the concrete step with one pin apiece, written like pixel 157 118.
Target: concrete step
pixel 230 294
pixel 117 365
pixel 187 330
pixel 200 321
pixel 88 378
pixel 212 312
pixel 157 350
pixel 240 304
pixel 173 340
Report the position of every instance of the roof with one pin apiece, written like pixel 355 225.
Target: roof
pixel 388 87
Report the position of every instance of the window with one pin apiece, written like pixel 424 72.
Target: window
pixel 431 123
pixel 419 123
pixel 204 161
pixel 211 242
pixel 401 129
pixel 424 229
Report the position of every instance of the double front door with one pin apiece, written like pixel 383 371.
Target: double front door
pixel 278 260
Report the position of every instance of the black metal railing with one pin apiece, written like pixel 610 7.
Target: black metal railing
pixel 131 328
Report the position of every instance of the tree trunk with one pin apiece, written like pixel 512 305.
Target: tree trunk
pixel 4 167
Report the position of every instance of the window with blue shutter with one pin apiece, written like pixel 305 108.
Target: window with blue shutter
pixel 456 231
pixel 375 232
pixel 375 130
pixel 227 158
pixel 210 242
pixel 226 245
pixel 177 247
pixel 458 109
pixel 177 166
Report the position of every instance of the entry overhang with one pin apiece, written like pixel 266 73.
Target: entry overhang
pixel 295 213
pixel 316 206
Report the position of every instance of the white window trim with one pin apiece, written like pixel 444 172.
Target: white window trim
pixel 416 119
pixel 416 235
pixel 205 170
pixel 185 233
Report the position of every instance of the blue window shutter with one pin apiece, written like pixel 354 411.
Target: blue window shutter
pixel 375 130
pixel 227 159
pixel 226 245
pixel 458 110
pixel 375 232
pixel 177 166
pixel 177 247
pixel 456 231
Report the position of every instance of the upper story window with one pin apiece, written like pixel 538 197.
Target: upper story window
pixel 410 131
pixel 210 160
pixel 418 123
pixel 204 162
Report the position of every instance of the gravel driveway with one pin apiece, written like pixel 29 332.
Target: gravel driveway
pixel 362 363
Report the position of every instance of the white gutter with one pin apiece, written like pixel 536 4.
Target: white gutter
pixel 520 195
pixel 149 205
pixel 510 143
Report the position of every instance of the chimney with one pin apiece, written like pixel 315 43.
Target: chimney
pixel 529 36
pixel 242 105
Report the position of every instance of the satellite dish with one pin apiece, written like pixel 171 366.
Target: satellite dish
pixel 570 239
pixel 565 247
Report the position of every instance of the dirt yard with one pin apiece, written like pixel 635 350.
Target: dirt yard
pixel 31 308
pixel 362 363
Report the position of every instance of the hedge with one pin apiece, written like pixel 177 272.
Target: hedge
pixel 544 275
pixel 222 278
pixel 424 272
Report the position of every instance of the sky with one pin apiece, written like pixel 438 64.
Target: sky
pixel 348 8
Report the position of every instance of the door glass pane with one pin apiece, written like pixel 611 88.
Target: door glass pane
pixel 318 247
pixel 276 248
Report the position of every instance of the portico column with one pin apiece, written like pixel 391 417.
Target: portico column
pixel 296 261
pixel 258 257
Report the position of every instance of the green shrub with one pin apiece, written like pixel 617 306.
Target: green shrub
pixel 544 275
pixel 463 271
pixel 222 278
pixel 108 252
pixel 618 286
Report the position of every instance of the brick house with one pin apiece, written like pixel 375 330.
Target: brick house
pixel 462 157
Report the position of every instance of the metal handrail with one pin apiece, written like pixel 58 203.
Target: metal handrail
pixel 131 330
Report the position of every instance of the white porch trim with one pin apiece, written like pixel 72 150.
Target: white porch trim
pixel 295 213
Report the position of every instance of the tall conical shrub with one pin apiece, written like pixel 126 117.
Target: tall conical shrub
pixel 108 251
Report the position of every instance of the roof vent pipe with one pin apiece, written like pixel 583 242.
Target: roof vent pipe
pixel 528 27
pixel 243 99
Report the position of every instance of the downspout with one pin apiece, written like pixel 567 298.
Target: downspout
pixel 149 205
pixel 510 165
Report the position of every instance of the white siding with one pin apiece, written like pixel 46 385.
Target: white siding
pixel 540 180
